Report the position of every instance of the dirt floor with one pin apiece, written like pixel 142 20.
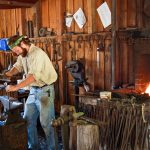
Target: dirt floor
pixel 42 140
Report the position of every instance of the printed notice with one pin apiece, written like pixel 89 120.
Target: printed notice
pixel 69 21
pixel 104 14
pixel 80 18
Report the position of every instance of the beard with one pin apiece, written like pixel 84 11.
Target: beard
pixel 23 54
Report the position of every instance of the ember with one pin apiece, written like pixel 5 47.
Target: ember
pixel 148 90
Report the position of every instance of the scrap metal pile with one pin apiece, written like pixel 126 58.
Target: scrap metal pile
pixel 123 123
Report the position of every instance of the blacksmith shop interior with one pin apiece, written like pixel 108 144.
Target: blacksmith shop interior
pixel 74 74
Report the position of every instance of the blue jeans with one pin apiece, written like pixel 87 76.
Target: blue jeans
pixel 40 103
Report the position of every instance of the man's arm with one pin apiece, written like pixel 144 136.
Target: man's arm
pixel 30 79
pixel 11 72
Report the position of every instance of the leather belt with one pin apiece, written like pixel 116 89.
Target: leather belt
pixel 38 87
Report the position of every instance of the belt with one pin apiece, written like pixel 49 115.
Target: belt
pixel 38 87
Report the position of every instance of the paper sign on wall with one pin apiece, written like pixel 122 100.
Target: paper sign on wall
pixel 80 18
pixel 105 14
pixel 69 21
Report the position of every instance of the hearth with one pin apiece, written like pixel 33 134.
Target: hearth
pixel 142 64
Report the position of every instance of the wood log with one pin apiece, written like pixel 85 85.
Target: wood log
pixel 15 4
pixel 87 132
pixel 73 136
pixel 87 137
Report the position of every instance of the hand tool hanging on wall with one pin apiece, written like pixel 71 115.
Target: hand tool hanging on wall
pixel 44 31
pixel 46 44
pixel 70 48
pixel 100 47
pixel 90 39
pixel 58 51
pixel 68 40
pixel 30 29
pixel 54 53
pixel 73 54
pixel 79 40
pixel 101 42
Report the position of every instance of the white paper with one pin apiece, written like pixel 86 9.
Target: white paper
pixel 69 21
pixel 80 18
pixel 105 14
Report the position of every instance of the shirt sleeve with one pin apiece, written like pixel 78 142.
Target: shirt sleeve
pixel 18 65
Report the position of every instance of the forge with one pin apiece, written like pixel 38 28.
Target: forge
pixel 142 64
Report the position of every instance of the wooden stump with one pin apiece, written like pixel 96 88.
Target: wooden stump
pixel 73 136
pixel 87 137
pixel 84 137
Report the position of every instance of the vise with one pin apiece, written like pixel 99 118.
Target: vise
pixel 68 114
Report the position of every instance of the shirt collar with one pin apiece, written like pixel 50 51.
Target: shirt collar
pixel 31 49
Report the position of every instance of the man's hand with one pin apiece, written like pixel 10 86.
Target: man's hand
pixel 7 74
pixel 11 88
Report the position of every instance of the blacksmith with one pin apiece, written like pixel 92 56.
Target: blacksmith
pixel 39 76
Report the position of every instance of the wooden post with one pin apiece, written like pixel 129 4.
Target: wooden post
pixel 113 42
pixel 60 5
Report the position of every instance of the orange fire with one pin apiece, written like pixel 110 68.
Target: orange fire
pixel 148 90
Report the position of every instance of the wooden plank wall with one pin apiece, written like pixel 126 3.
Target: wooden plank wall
pixel 52 15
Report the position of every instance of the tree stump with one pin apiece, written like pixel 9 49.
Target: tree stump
pixel 87 137
pixel 73 136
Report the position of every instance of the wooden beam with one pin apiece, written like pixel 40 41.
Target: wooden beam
pixel 62 74
pixel 113 20
pixel 15 4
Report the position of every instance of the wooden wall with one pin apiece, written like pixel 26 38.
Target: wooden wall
pixel 51 14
